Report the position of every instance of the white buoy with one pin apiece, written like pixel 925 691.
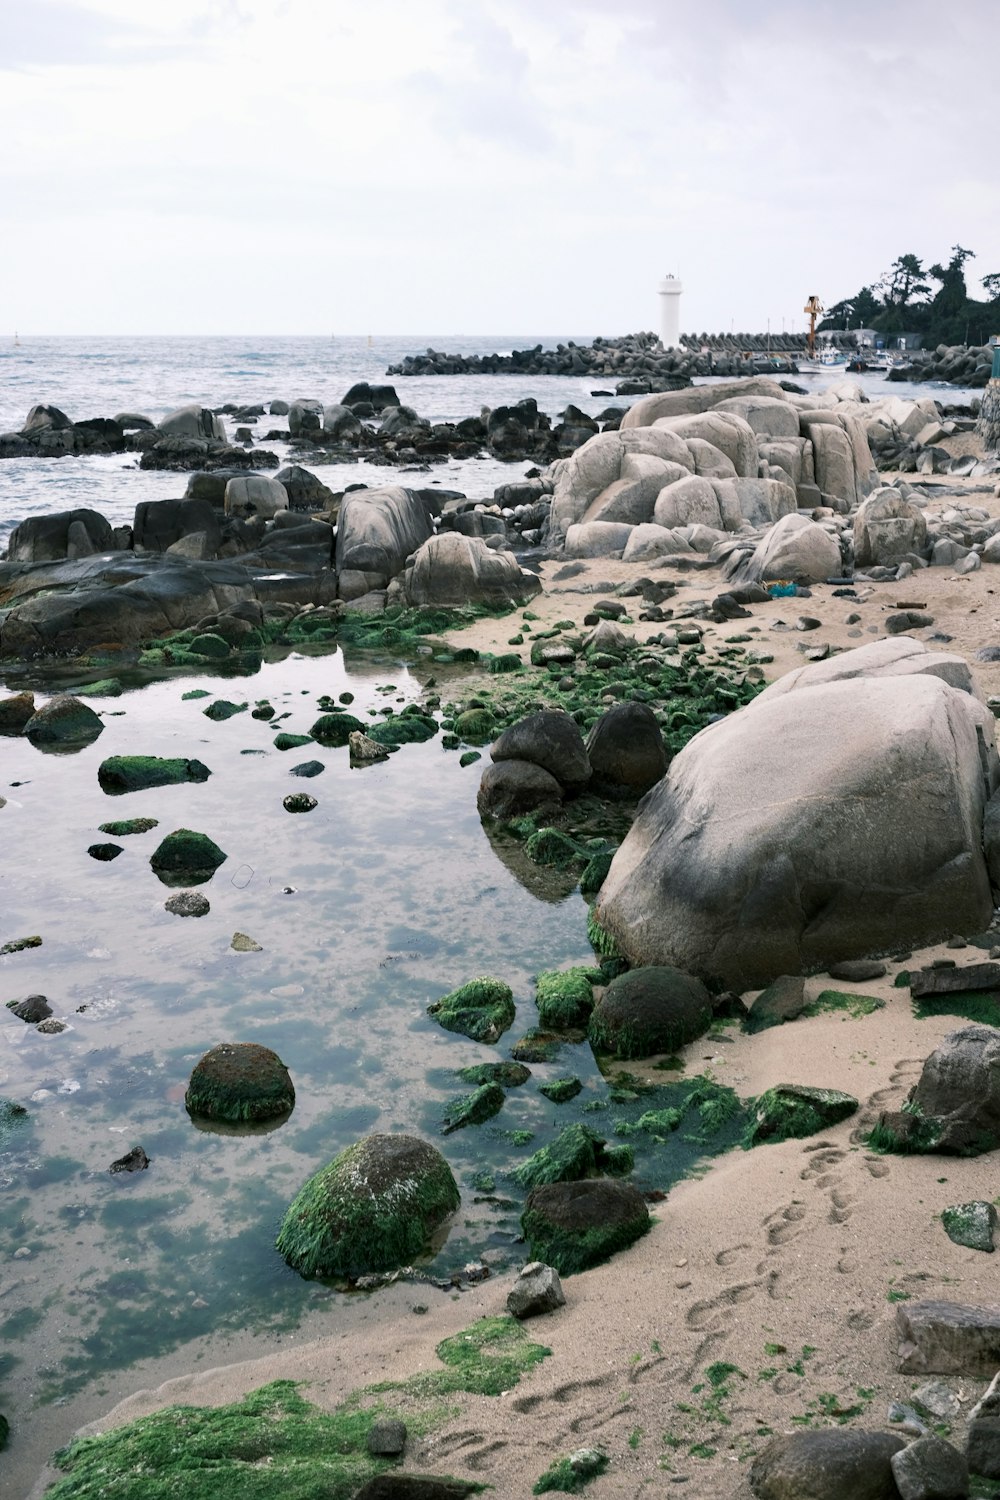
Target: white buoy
pixel 670 312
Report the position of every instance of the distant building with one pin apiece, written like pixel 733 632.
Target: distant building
pixel 904 341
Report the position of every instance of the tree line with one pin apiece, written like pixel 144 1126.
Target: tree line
pixel 933 302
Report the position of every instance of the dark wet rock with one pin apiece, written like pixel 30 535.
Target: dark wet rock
pixel 238 1081
pixel 574 1225
pixel 285 741
pixel 299 802
pixel 308 768
pixel 33 1009
pixel 537 1046
pixel 625 747
pixel 378 530
pixel 132 773
pixel 857 970
pixel 971 1225
pixel 64 721
pixel 387 1437
pixel 482 1009
pixel 783 1000
pixel 907 619
pixel 511 787
pixel 335 729
pixel 51 538
pixel 648 1010
pixel 105 852
pixel 135 1160
pixel 550 739
pixel 186 858
pixel 829 1465
pixel 472 1109
pixel 537 1290
pixel 160 524
pixel 954 979
pixel 16 712
pixel 222 709
pixel 373 1208
pixel 795 1110
pixel 187 904
pixel 948 1338
pixel 396 1486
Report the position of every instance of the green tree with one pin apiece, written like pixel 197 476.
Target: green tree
pixel 951 312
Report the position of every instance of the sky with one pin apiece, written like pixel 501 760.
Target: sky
pixel 514 166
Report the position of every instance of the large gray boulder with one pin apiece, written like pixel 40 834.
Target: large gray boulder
pixel 193 421
pixel 753 502
pixel 50 538
pixel 379 529
pixel 551 739
pixel 957 1096
pixel 795 548
pixel 768 416
pixel 451 569
pixel 304 417
pixel 725 430
pixel 830 821
pixel 887 527
pixel 585 481
pixel 159 524
pixel 688 501
pixel 597 538
pixel 254 495
pixel 697 398
pixel 827 1465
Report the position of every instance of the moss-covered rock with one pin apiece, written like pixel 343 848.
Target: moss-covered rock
pixel 222 708
pixel 106 687
pixel 576 1152
pixel 132 773
pixel 476 726
pixel 568 1476
pixel 404 729
pixel 123 827
pixel 561 1090
pixel 551 847
pixel 565 998
pixel 186 858
pixel 653 1009
pixel 283 740
pixel 481 1009
pixel 64 721
pixel 537 1046
pixel 575 1225
pixel 240 1081
pixel 472 1109
pixel 971 1225
pixel 211 647
pixel 335 729
pixel 373 1208
pixel 105 853
pixel 793 1110
pixel 508 1074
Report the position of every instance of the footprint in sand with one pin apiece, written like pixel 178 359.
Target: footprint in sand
pixel 783 1224
pixel 560 1396
pixel 877 1166
pixel 714 1314
pixel 469 1446
pixel 848 1262
pixel 841 1201
pixel 727 1257
pixel 818 1169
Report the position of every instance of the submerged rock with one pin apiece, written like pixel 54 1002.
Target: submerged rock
pixel 64 721
pixel 240 1081
pixel 186 858
pixel 481 1009
pixel 132 773
pixel 373 1208
pixel 32 1010
pixel 135 1160
pixel 187 904
pixel 472 1109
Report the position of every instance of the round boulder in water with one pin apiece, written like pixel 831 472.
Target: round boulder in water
pixel 186 858
pixel 551 739
pixel 626 748
pixel 373 1208
pixel 240 1081
pixel 654 1009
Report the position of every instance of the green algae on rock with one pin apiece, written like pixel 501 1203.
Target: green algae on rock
pixel 335 729
pixel 551 847
pixel 285 741
pixel 565 998
pixel 240 1081
pixel 508 1074
pixel 790 1111
pixel 186 858
pixel 222 709
pixel 537 1046
pixel 123 827
pixel 971 1225
pixel 482 1009
pixel 576 1152
pixel 472 1109
pixel 561 1090
pixel 404 729
pixel 133 773
pixel 567 1476
pixel 575 1225
pixel 373 1208
pixel 656 1008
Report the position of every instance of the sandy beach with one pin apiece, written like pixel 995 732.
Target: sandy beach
pixel 785 1263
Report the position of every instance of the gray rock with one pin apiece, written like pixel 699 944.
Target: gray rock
pixel 841 1464
pixel 193 421
pixel 948 1338
pixel 971 1225
pixel 188 904
pixel 537 1290
pixel 254 495
pixel 795 548
pixel 857 970
pixel 64 720
pixel 957 1096
pixel 450 569
pixel 379 529
pixel 982 1447
pixel 625 746
pixel 34 1009
pixel 512 787
pixel 305 417
pixel 939 1400
pixel 930 1469
pixel 950 981
pixel 783 1000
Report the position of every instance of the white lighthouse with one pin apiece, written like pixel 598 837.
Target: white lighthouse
pixel 670 312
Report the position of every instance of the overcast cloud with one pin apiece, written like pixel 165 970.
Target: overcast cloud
pixel 507 166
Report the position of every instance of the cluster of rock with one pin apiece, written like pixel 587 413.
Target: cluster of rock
pixel 768 484
pixel 638 360
pixel 956 364
pixel 191 437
